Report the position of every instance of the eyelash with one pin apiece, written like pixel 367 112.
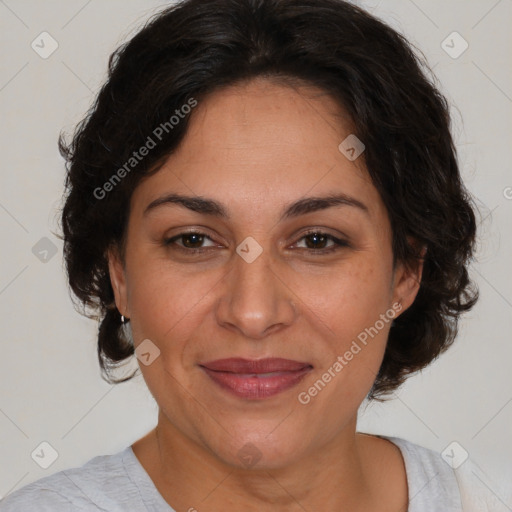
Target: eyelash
pixel 168 242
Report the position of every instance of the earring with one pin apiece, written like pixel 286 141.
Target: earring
pixel 123 319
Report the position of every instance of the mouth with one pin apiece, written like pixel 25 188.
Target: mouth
pixel 257 378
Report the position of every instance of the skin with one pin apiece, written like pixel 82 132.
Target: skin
pixel 256 148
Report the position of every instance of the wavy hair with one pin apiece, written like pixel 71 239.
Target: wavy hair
pixel 194 47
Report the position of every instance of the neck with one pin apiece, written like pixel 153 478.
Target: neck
pixel 190 477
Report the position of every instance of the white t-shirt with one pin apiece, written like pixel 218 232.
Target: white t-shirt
pixel 119 483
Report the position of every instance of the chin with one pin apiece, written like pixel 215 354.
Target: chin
pixel 261 449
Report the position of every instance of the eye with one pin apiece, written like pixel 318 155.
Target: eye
pixel 316 242
pixel 191 241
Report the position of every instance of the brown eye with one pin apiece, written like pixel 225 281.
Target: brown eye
pixel 317 242
pixel 190 241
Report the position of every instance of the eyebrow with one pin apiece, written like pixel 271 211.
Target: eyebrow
pixel 303 206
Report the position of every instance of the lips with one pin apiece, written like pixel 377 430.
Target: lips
pixel 256 378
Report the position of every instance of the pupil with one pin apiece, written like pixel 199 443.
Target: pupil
pixel 198 240
pixel 317 238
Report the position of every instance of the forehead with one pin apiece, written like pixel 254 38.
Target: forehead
pixel 262 144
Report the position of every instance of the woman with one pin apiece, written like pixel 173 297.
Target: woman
pixel 264 206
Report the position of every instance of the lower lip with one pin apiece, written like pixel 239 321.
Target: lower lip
pixel 254 386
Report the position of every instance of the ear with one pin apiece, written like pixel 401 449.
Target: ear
pixel 118 280
pixel 407 279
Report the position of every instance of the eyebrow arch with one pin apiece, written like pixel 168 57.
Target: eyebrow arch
pixel 303 206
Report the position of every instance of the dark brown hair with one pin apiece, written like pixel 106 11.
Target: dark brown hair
pixel 197 46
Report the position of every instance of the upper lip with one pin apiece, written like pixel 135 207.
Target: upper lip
pixel 267 365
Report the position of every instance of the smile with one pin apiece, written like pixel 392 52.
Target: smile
pixel 256 379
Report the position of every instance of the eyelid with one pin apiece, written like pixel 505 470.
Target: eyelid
pixel 169 241
pixel 321 231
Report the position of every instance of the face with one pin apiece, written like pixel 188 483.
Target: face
pixel 270 311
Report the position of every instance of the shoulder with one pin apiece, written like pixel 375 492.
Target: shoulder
pixel 92 486
pixel 450 478
pixel 430 480
pixel 34 498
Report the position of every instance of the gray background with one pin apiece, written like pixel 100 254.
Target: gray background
pixel 49 377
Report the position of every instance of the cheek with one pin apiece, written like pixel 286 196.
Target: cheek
pixel 348 299
pixel 351 313
pixel 167 303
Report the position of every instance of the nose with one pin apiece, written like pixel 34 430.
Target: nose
pixel 255 299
